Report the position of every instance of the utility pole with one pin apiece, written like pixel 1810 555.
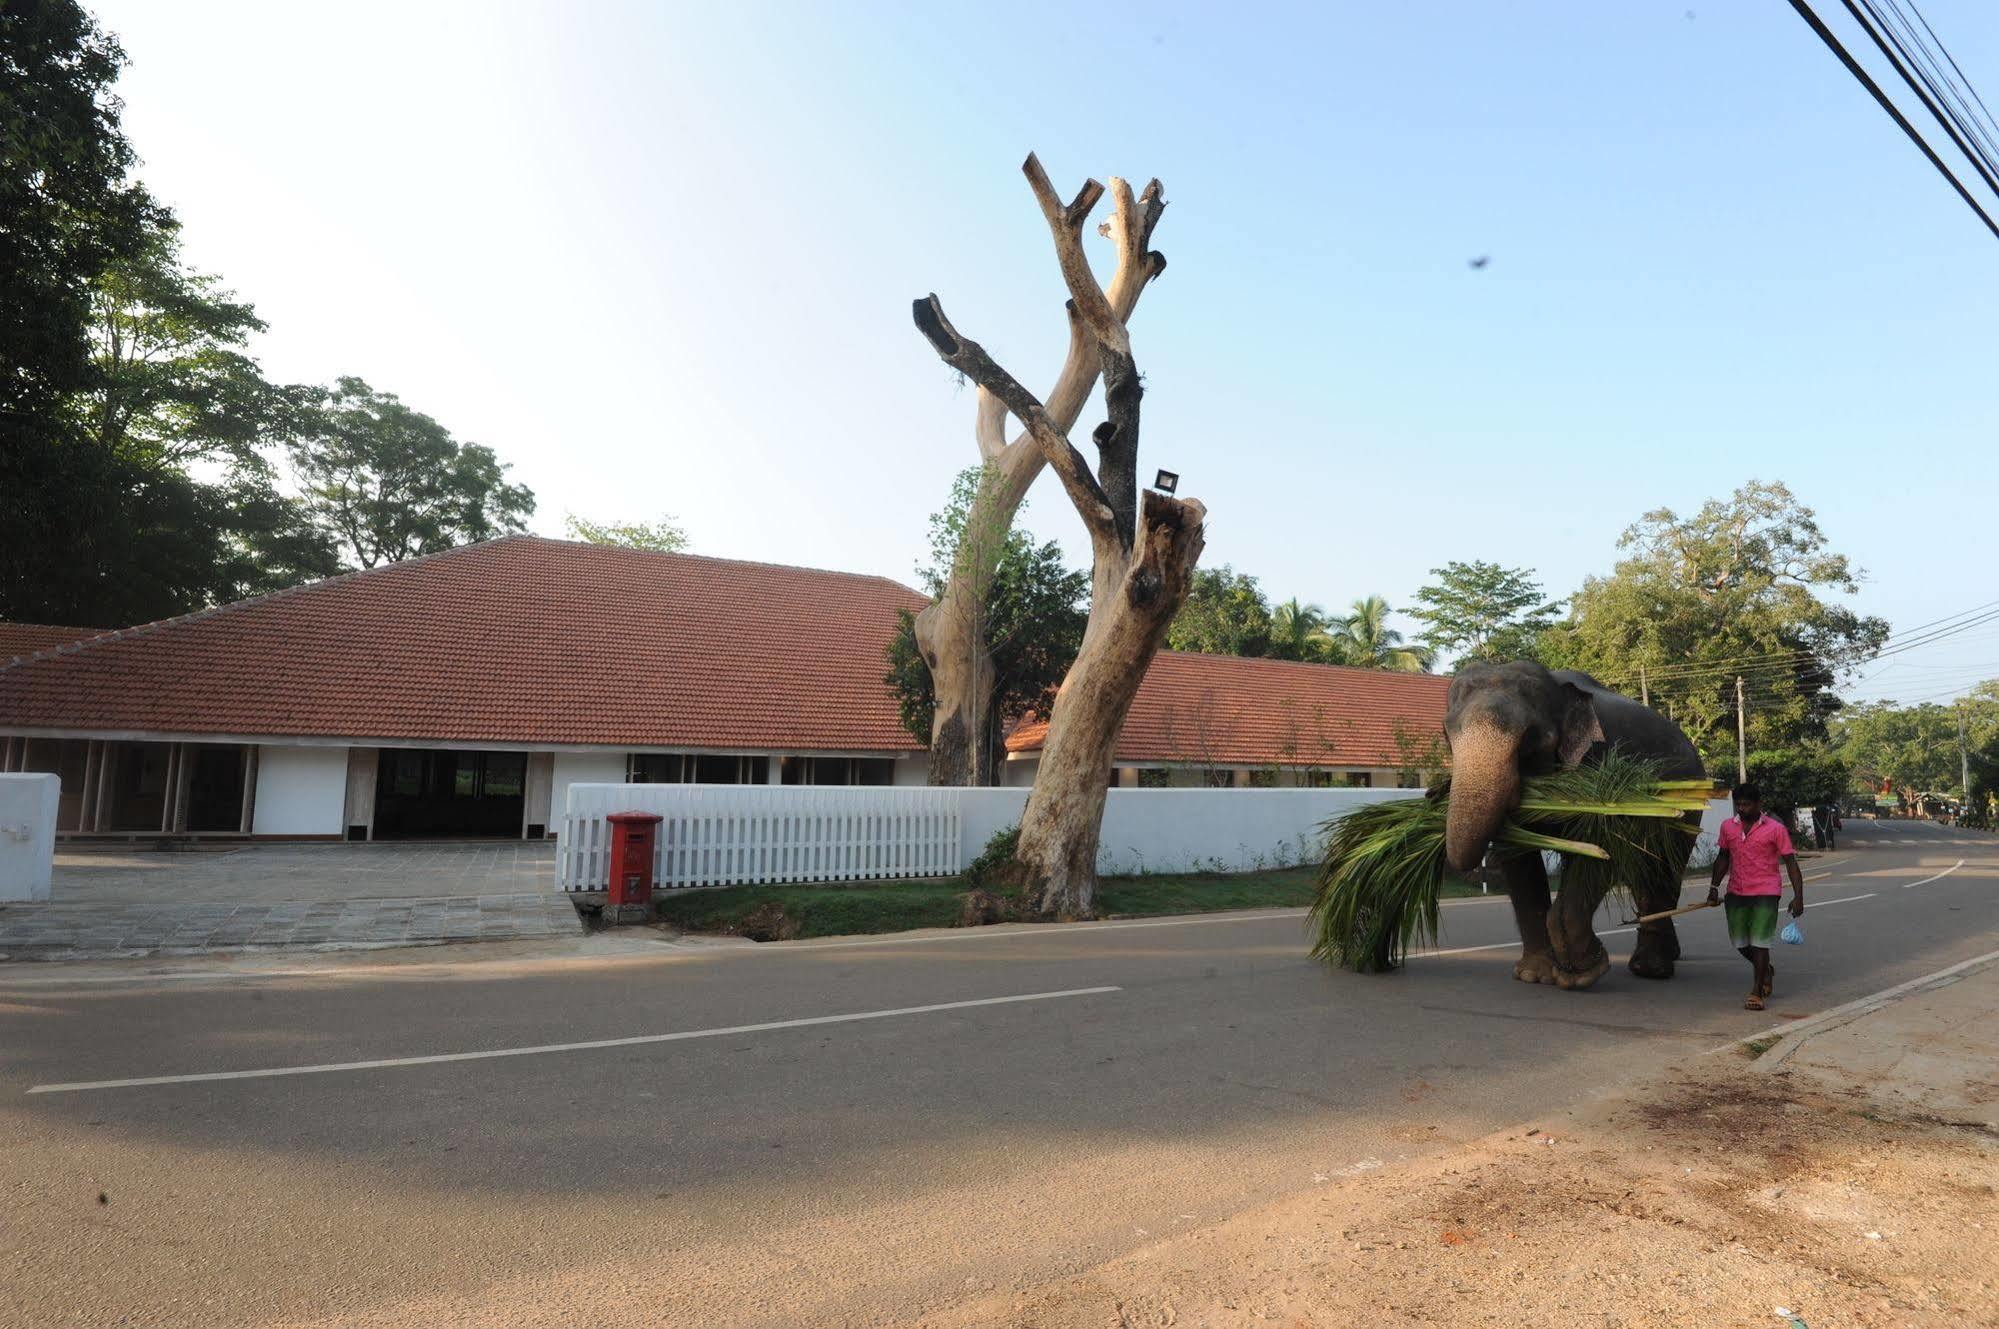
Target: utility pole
pixel 1963 760
pixel 1644 692
pixel 1741 734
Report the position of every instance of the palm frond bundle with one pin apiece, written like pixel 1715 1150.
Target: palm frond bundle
pixel 1612 822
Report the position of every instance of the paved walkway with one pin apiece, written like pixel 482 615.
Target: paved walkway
pixel 122 902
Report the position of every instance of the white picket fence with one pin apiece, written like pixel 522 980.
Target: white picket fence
pixel 714 835
pixel 717 835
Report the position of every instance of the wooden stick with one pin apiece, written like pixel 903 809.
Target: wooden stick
pixel 1675 913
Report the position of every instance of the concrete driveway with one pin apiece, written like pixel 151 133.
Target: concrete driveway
pixel 121 901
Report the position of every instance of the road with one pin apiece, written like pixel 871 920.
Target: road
pixel 818 1132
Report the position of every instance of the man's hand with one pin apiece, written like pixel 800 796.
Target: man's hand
pixel 1798 905
pixel 1714 895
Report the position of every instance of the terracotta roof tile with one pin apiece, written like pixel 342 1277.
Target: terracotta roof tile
pixel 517 640
pixel 1231 711
pixel 21 639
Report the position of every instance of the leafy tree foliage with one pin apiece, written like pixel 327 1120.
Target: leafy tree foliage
pixel 175 383
pixel 1732 589
pixel 390 483
pixel 1915 748
pixel 660 537
pixel 69 210
pixel 1300 632
pixel 1482 611
pixel 1225 614
pixel 1036 609
pixel 1364 640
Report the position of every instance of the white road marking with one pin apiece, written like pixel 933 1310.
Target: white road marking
pixel 592 1045
pixel 1939 877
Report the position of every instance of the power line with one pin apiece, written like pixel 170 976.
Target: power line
pixel 1790 661
pixel 1918 81
pixel 1955 94
pixel 1894 113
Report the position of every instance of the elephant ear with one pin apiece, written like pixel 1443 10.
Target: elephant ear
pixel 1581 730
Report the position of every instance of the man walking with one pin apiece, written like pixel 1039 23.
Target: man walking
pixel 1752 847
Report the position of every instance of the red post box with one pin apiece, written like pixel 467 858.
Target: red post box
pixel 633 835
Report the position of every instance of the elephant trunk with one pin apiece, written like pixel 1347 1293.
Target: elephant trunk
pixel 1485 791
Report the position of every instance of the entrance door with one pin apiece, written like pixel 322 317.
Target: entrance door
pixel 429 793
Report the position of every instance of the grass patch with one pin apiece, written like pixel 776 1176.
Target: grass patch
pixel 781 913
pixel 1753 1048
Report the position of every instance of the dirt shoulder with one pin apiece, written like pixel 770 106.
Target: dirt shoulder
pixel 1849 1175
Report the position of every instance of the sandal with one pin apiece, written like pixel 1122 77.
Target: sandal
pixel 1752 1002
pixel 1769 982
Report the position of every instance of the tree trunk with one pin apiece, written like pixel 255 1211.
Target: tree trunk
pixel 1059 832
pixel 961 650
pixel 1142 560
pixel 961 673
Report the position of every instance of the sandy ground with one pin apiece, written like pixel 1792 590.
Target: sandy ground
pixel 1848 1180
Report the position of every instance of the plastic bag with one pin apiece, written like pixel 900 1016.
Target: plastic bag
pixel 1793 934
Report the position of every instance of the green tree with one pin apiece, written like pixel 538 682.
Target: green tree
pixel 1482 611
pixel 1225 614
pixel 390 483
pixel 1732 590
pixel 1035 611
pixel 174 381
pixel 1364 639
pixel 660 537
pixel 68 209
pixel 1915 747
pixel 1300 632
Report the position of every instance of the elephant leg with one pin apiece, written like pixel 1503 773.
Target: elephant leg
pixel 1580 959
pixel 1527 888
pixel 1658 943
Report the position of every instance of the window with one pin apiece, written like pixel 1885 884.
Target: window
pixel 1214 779
pixel 656 768
pixel 1318 779
pixel 1264 779
pixel 1154 777
pixel 1358 779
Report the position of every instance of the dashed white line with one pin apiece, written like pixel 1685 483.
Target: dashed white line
pixel 592 1045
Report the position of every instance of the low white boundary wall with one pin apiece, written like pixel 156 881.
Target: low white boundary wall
pixel 27 835
pixel 717 835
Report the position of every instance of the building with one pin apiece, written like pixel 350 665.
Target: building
pixel 461 694
pixel 1225 720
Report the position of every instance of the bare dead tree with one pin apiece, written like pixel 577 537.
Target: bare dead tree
pixel 1142 553
pixel 951 633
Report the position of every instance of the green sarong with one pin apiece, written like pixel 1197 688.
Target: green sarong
pixel 1752 920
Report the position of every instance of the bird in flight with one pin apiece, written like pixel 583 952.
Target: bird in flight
pixel 1480 261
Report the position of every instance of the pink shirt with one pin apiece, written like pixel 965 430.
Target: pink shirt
pixel 1755 856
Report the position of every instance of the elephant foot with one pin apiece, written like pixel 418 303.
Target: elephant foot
pixel 1535 967
pixel 1653 958
pixel 1585 975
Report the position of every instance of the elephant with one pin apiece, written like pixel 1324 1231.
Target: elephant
pixel 1507 722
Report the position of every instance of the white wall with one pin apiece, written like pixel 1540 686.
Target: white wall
pixel 300 791
pixel 582 768
pixel 1144 830
pixel 27 835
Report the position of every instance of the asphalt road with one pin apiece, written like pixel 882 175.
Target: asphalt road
pixel 740 1148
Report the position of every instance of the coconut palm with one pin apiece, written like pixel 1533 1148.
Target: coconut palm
pixel 1300 632
pixel 1364 639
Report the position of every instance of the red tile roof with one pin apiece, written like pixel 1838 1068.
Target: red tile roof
pixel 1225 710
pixel 517 640
pixel 18 639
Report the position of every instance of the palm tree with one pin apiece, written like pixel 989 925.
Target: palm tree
pixel 1299 632
pixel 1365 639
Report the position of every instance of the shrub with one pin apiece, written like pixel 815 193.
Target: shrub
pixel 995 858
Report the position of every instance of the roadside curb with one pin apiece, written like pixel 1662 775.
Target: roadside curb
pixel 1794 1036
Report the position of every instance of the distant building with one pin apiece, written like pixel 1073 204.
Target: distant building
pixel 1226 720
pixel 461 694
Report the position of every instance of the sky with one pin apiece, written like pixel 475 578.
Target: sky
pixel 660 257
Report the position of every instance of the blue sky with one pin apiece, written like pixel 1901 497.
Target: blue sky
pixel 660 257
